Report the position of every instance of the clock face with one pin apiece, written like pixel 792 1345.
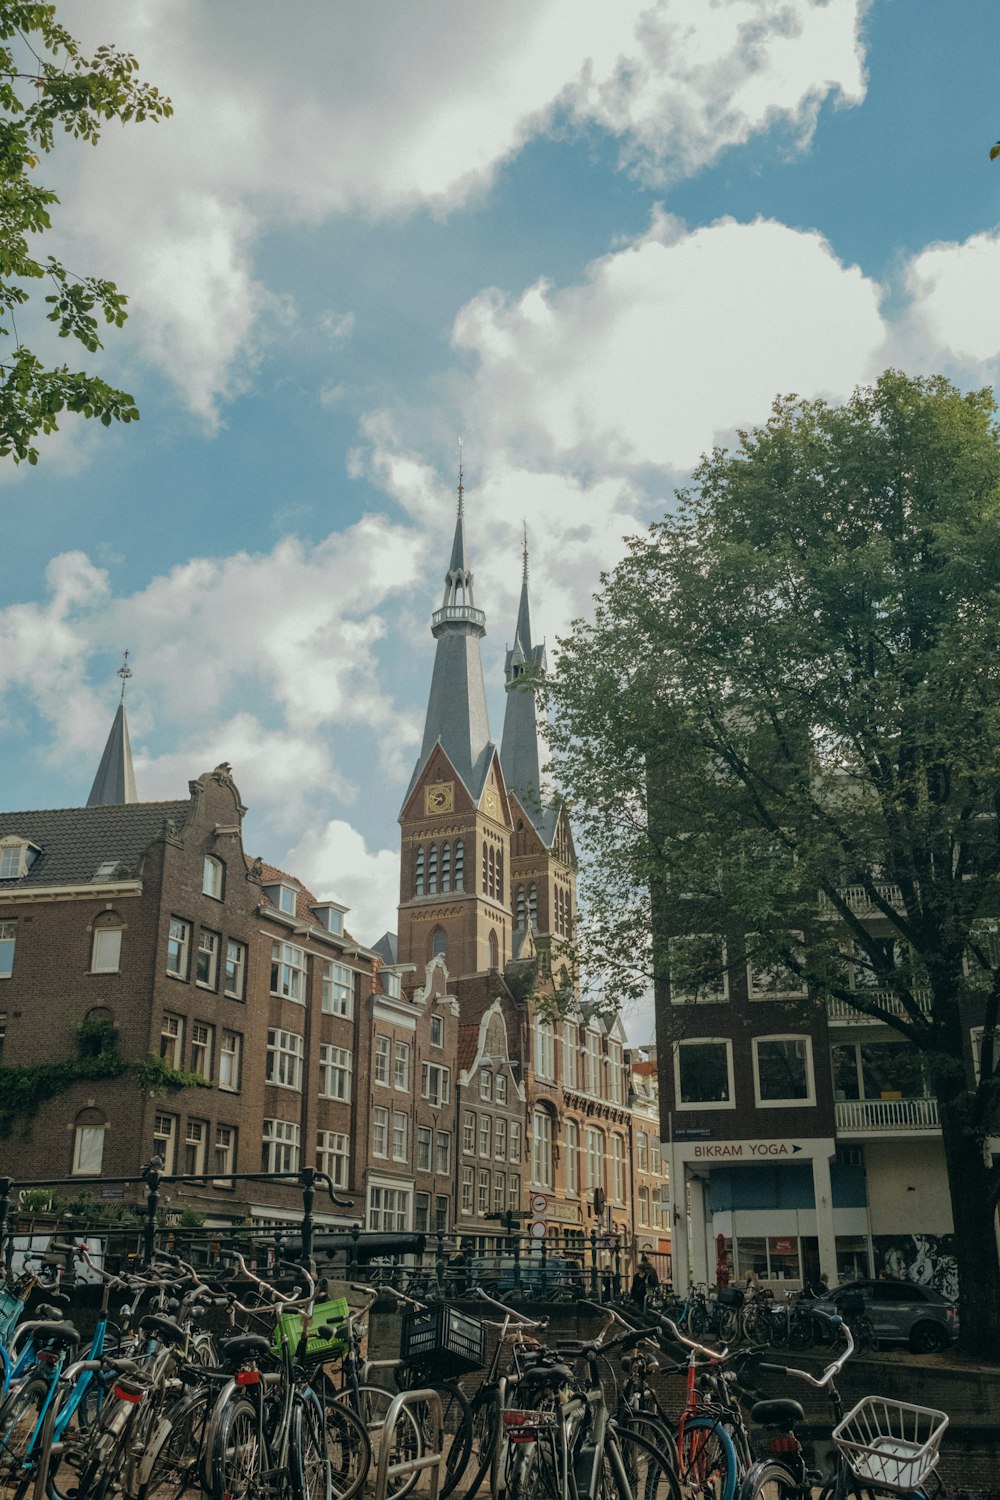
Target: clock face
pixel 439 797
pixel 491 802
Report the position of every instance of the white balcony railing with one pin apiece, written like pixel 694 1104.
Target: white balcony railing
pixel 464 613
pixel 857 899
pixel 839 1013
pixel 885 1116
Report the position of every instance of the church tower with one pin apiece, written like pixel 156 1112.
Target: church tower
pixel 455 868
pixel 543 860
pixel 115 779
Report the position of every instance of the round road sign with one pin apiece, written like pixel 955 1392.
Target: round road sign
pixel 539 1203
pixel 538 1230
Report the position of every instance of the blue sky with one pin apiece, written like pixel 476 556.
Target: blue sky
pixel 592 239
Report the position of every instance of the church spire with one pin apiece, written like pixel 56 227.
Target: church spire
pixel 456 708
pixel 519 749
pixel 115 779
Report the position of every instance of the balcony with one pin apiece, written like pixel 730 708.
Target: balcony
pixel 839 1013
pixel 856 897
pixel 885 1116
pixel 458 614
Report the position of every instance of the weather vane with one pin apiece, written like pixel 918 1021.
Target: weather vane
pixel 524 548
pixel 124 672
pixel 461 484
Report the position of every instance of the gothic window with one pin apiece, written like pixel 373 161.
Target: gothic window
pixel 432 870
pixel 494 951
pixel 459 865
pixel 499 890
pixel 533 903
pixel 520 906
pixel 493 872
pixel 418 873
pixel 439 943
pixel 446 867
pixel 486 869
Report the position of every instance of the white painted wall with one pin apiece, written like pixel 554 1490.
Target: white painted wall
pixel 907 1187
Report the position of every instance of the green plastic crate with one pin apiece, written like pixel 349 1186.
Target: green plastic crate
pixel 335 1313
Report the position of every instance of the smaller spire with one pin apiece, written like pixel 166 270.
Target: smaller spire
pixel 115 779
pixel 124 672
pixel 524 553
pixel 461 481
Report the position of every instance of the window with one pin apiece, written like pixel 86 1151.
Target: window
pixel 335 1073
pixel 8 936
pixel 513 1192
pixel 500 1140
pixel 284 897
pixel 615 1090
pixel 418 872
pixel 642 1151
pixel 439 943
pixel 469 1133
pixel 178 948
pixel 501 1088
pixel 594 1140
pixel 201 1049
pixel 164 1136
pixel 436 1083
pixel 422 1213
pixel 388 1208
pixel 783 1071
pixel 400 1136
pixel 225 1154
pixel 206 971
pixel 333 1155
pixel 571 1156
pixel 284 1059
pixel 401 1067
pixel 541 1149
pixel 768 978
pixel 236 970
pixel 592 1064
pixel 211 878
pixel 194 1147
pixel 486 1085
pixel 425 1143
pixel 515 1140
pixel 392 983
pixel 485 1135
pixel 618 1169
pixel 381 1070
pixel 229 1061
pixel 703 1072
pixel 874 1070
pixel 446 867
pixel 332 918
pixel 571 1043
pixel 280 1147
pixel 494 950
pixel 105 956
pixel 380 1131
pixel 88 1143
pixel 545 1049
pixel 288 972
pixel 442 1153
pixel 499 1191
pixel 172 1040
pixel 468 1182
pixel 432 870
pixel 459 865
pixel 655 1165
pixel 699 970
pixel 13 861
pixel 337 990
pixel 442 1205
pixel 437 1031
pixel 483 1194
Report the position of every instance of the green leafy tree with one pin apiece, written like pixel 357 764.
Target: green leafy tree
pixel 48 86
pixel 781 736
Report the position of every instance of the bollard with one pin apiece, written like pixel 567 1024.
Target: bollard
pixel 593 1264
pixel 308 1176
pixel 151 1176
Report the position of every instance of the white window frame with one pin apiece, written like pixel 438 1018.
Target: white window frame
pixel 516 1148
pixel 514 1191
pixel 165 1138
pixel 380 1132
pixel 485 1136
pixel 335 1072
pixel 642 1151
pixel 106 950
pixel 500 1088
pixel 280 1146
pixel 225 1142
pixel 235 969
pixel 209 944
pixel 179 938
pixel 705 1041
pixel 571 1157
pixel 542 1133
pixel 401 1066
pixel 469 1133
pixel 172 1039
pixel 482 1193
pixel 795 991
pixel 288 971
pixel 615 1070
pixel 88 1150
pixel 486 1085
pixel 435 1083
pixel 545 1051
pixel 500 1138
pixel 785 1036
pixel 617 1167
pixel 8 943
pixel 285 1053
pixel 468 1190
pixel 333 1155
pixel 195 1143
pixel 389 1208
pixel 594 1145
pixel 230 1048
pixel 442 1153
pixel 381 1055
pixel 437 1031
pixel 337 990
pixel 400 1136
pixel 202 1049
pixel 424 1156
pixel 212 877
pixel 571 1054
pixel 707 995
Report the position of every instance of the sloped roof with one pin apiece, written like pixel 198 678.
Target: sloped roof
pixel 74 841
pixel 115 779
pixel 387 949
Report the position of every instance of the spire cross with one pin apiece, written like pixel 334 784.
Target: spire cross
pixel 461 485
pixel 124 672
pixel 524 551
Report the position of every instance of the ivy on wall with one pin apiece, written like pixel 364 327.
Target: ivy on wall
pixel 23 1090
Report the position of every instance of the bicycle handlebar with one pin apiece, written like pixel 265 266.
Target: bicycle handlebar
pixel 831 1370
pixel 714 1356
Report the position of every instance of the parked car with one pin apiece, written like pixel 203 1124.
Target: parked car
pixel 495 1273
pixel 903 1312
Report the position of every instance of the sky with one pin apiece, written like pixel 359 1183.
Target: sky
pixel 592 240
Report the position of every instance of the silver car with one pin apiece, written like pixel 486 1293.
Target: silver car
pixel 902 1312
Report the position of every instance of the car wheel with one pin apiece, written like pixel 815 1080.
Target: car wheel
pixel 928 1338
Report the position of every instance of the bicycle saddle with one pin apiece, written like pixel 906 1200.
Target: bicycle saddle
pixel 244 1346
pixel 557 1374
pixel 48 1333
pixel 163 1328
pixel 777 1413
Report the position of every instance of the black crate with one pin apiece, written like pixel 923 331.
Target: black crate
pixel 442 1336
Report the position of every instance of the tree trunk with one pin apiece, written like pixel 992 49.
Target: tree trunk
pixel 972 1186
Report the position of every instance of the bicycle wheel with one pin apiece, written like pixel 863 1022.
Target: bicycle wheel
pixel 456 1422
pixel 236 1455
pixel 19 1418
pixel 406 1438
pixel 652 1429
pixel 769 1481
pixel 486 1423
pixel 308 1464
pixel 635 1469
pixel 865 1337
pixel 349 1450
pixel 173 1464
pixel 729 1324
pixel 697 1319
pixel 709 1466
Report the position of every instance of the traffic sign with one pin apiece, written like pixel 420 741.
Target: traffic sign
pixel 539 1203
pixel 538 1229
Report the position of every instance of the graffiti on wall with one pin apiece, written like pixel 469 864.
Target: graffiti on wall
pixel 926 1259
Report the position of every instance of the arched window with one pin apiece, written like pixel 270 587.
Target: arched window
pixel 439 943
pixel 213 877
pixel 618 1168
pixel 459 865
pixel 486 868
pixel 521 907
pixel 492 889
pixel 533 903
pixel 432 870
pixel 446 867
pixel 89 1129
pixel 594 1159
pixel 499 892
pixel 494 950
pixel 418 872
pixel 106 951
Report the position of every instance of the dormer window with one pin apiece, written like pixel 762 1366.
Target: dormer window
pixel 284 897
pixel 16 857
pixel 392 984
pixel 331 917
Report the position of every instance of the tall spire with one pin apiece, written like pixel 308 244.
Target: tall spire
pixel 519 749
pixel 456 708
pixel 115 779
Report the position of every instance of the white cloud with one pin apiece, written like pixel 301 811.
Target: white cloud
pixel 953 320
pixel 336 864
pixel 380 108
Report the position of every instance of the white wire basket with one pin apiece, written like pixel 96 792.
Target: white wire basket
pixel 891 1443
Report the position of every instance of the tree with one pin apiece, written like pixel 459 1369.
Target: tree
pixel 48 85
pixel 784 721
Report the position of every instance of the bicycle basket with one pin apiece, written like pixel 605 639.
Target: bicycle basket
pixel 443 1337
pixel 11 1308
pixel 891 1443
pixel 730 1296
pixel 334 1312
